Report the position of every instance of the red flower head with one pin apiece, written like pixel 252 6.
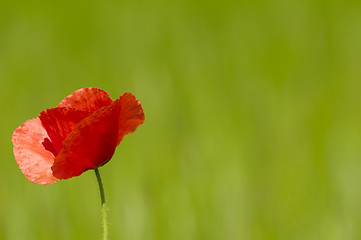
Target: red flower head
pixel 81 133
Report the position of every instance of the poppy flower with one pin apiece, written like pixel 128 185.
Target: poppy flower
pixel 81 133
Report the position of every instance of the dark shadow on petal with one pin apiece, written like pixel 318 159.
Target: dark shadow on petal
pixel 49 146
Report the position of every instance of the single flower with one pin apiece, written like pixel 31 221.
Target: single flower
pixel 81 133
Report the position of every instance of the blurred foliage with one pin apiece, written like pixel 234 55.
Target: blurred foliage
pixel 253 117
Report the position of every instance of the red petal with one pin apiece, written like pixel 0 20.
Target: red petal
pixel 31 156
pixel 131 115
pixel 92 143
pixel 59 122
pixel 87 99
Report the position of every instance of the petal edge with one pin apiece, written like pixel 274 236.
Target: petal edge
pixel 31 156
pixel 87 99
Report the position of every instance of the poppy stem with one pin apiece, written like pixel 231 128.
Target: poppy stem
pixel 102 198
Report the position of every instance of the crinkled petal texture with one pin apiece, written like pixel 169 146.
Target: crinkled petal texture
pixel 59 122
pixel 93 141
pixel 31 156
pixel 87 99
pixel 80 134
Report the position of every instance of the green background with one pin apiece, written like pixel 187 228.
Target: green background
pixel 253 117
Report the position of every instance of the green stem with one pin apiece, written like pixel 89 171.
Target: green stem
pixel 102 197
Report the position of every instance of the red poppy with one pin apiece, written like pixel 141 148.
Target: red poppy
pixel 81 133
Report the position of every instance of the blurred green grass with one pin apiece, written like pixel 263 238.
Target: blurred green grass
pixel 252 124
